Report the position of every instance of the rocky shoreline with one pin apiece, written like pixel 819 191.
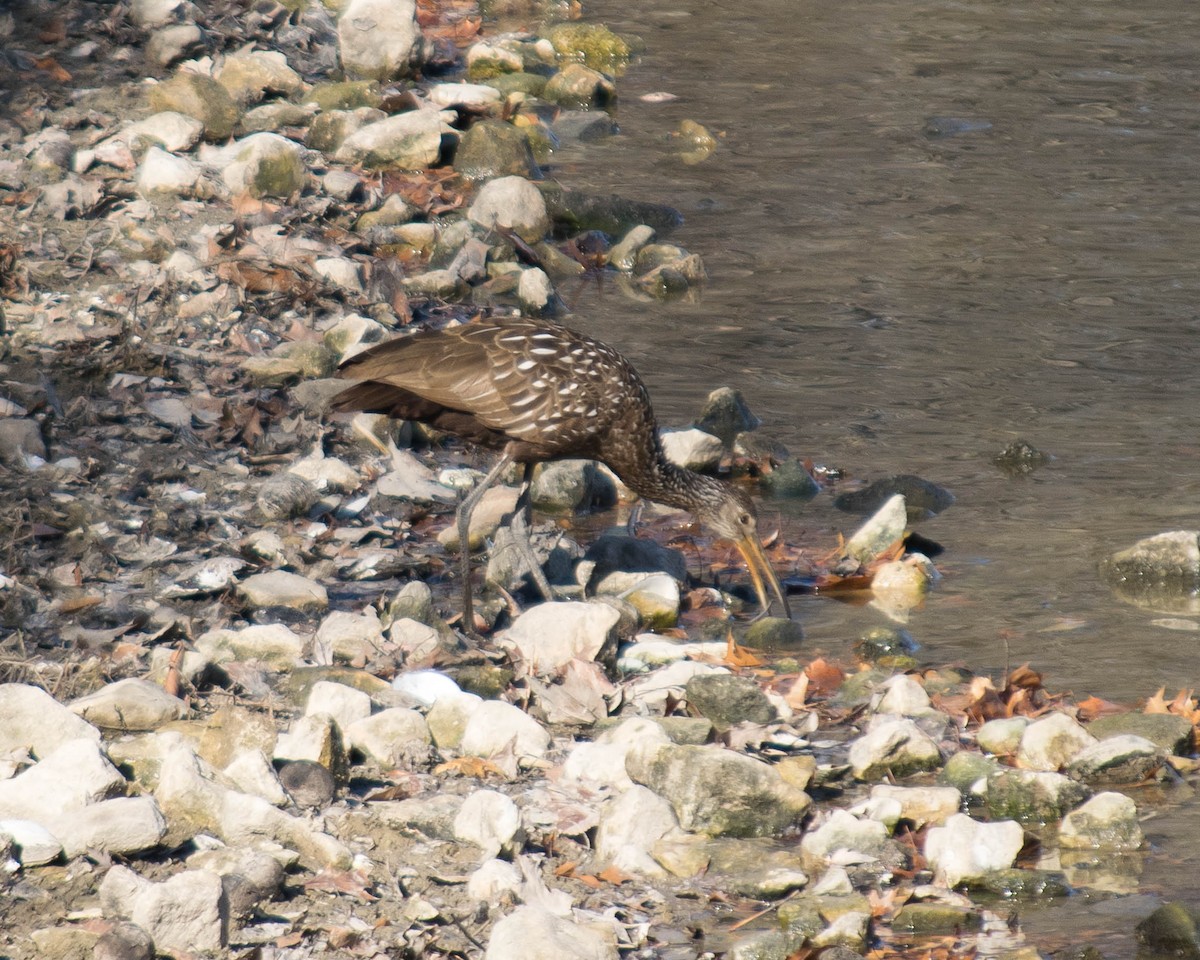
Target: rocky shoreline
pixel 235 719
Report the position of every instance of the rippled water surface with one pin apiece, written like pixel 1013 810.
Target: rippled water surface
pixel 896 292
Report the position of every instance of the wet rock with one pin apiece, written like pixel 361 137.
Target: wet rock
pixel 410 141
pixel 791 481
pixel 1120 759
pixel 491 821
pixel 1170 732
pixel 572 485
pixel 35 845
pixel 693 449
pixel 1171 930
pixel 697 143
pixel 1003 736
pixel 393 738
pixel 655 596
pixel 199 97
pixel 727 700
pixel 1168 561
pixel 549 635
pixel 1029 796
pixel 494 726
pixel 184 913
pixel 511 203
pixel 1108 821
pixel 893 748
pixel 936 919
pixel 278 588
pixel 129 704
pixel 1020 458
pixel 774 633
pixel 881 531
pixel 273 643
pixel 380 39
pixel 719 793
pixel 249 75
pixel 1051 742
pixel 590 43
pixel 623 256
pixel 575 211
pixel 535 291
pixel 583 126
pixel 883 645
pixel 921 497
pixel 488 59
pixel 578 87
pixel 264 165
pixel 534 933
pixel 35 721
pixel 967 850
pixel 968 773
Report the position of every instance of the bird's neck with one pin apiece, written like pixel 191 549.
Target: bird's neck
pixel 664 482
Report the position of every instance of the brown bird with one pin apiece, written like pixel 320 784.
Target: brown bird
pixel 539 391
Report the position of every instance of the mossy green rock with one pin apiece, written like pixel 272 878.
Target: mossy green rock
pixel 199 97
pixel 789 481
pixel 936 918
pixel 494 148
pixel 1171 930
pixel 1168 731
pixel 1028 796
pixel 530 84
pixel 774 633
pixel 346 95
pixel 965 770
pixel 591 44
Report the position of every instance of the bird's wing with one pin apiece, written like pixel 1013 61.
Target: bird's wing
pixel 481 369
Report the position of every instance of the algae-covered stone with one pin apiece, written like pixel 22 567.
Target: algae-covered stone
pixel 579 87
pixel 896 748
pixel 265 165
pixel 345 95
pixel 1030 796
pixel 727 700
pixel 288 362
pixel 968 772
pixel 200 97
pixel 936 919
pixel 1169 731
pixel 790 481
pixel 1107 821
pixel 592 44
pixel 774 633
pixel 409 141
pixel 1171 930
pixel 493 148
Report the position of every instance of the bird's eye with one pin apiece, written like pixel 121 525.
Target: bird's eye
pixel 744 519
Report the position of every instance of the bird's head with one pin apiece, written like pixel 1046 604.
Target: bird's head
pixel 729 513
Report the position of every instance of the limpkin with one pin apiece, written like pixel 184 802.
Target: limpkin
pixel 538 391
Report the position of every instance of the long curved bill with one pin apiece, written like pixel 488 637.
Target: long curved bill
pixel 761 573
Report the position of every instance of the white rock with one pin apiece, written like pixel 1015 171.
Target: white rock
pixel 965 849
pixel 880 531
pixel 172 43
pixel 902 695
pixel 351 637
pixel 513 203
pixel 124 826
pixel 263 165
pixel 1108 821
pixel 393 737
pixel 153 13
pixel 1002 736
pixel 426 687
pixel 893 746
pixel 494 726
pixel 922 805
pixel 345 704
pixel 35 721
pixel 408 140
pixel 67 780
pixel 326 473
pixel 493 880
pixel 630 826
pixel 131 704
pixel 379 39
pixel 417 641
pixel 842 838
pixel 549 635
pixel 491 821
pixel 35 844
pixel 164 174
pixel 533 933
pixel 174 132
pixel 463 94
pixel 692 448
pixel 653 689
pixel 340 271
pixel 1051 742
pixel 274 643
pixel 251 772
pixel 448 719
pixel 534 290
pixel 312 738
pixel 602 761
pixel 278 588
pixel 185 913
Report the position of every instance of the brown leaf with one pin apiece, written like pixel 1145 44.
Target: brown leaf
pixel 824 677
pixel 349 882
pixel 1094 707
pixel 475 767
pixel 614 876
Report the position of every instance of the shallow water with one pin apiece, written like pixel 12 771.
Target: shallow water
pixel 896 292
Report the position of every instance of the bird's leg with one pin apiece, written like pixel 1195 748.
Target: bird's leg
pixel 521 527
pixel 463 518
